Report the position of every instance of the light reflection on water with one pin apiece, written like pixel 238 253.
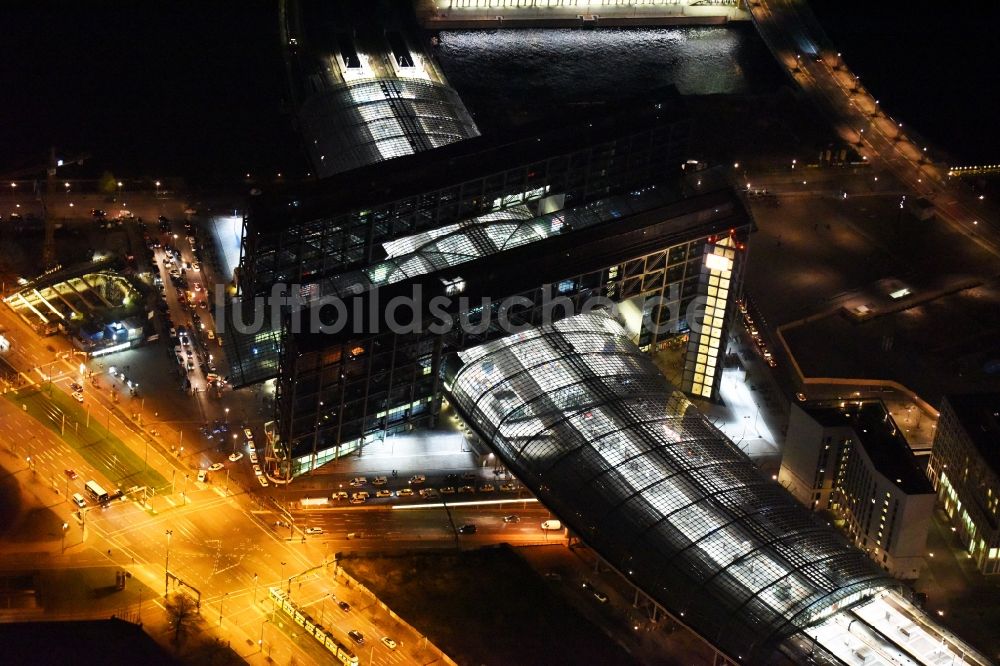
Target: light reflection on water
pixel 514 66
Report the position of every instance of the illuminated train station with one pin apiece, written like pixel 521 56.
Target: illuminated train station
pixel 587 421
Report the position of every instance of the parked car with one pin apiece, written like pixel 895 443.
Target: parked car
pixel 405 492
pixel 383 492
pixel 388 642
pixel 339 495
pixel 418 478
pixel 380 481
pixel 314 530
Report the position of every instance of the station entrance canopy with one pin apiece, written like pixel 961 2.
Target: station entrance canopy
pixel 587 421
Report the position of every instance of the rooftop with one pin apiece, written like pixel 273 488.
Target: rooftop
pixel 378 184
pixel 881 438
pixel 586 421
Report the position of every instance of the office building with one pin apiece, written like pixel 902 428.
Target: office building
pixel 850 459
pixel 597 208
pixel 965 469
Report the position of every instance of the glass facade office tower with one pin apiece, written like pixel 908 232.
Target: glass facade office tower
pixel 596 208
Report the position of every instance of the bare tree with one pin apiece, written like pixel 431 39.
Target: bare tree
pixel 181 615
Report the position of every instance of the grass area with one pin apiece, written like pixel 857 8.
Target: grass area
pixel 89 590
pixel 93 441
pixel 485 607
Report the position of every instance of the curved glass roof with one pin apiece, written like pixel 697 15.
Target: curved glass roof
pixel 484 235
pixel 369 121
pixel 587 421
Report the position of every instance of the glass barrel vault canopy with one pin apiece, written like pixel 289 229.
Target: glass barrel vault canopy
pixel 587 421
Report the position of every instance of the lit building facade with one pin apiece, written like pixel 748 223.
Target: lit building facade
pixel 850 458
pixel 367 91
pixel 597 208
pixel 965 469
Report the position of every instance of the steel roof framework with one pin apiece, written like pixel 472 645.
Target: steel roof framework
pixel 589 423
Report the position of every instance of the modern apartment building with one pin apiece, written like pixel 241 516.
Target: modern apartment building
pixel 851 459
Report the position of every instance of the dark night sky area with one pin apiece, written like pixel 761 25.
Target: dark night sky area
pixel 147 88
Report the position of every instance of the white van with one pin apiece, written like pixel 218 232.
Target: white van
pixel 78 500
pixel 551 525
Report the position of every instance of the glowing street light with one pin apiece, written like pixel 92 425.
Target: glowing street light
pixel 166 566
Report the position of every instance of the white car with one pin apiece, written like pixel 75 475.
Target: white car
pixel 233 457
pixel 248 433
pixel 215 467
pixel 388 642
pixel 262 481
pixel 314 530
pixel 358 481
pixel 257 470
pixel 253 457
pixel 418 478
pixel 203 475
pixel 405 492
pixel 78 396
pixel 384 492
pixel 251 447
pixel 380 481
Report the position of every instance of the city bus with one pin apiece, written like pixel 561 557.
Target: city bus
pixel 98 493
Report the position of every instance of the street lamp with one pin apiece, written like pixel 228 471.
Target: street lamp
pixel 283 575
pixel 227 417
pixel 157 188
pixel 221 601
pixel 65 526
pixel 166 566
pixel 255 589
pixel 260 641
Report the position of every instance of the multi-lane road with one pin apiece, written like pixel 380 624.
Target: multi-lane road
pixel 793 35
